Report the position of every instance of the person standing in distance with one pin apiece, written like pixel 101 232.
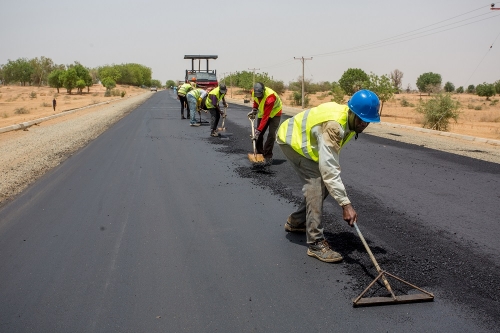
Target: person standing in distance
pixel 311 141
pixel 267 107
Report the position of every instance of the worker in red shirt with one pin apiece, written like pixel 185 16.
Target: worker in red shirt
pixel 267 107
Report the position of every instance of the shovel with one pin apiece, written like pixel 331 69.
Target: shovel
pixel 223 128
pixel 255 158
pixel 425 296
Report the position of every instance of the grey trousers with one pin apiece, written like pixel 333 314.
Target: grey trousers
pixel 315 192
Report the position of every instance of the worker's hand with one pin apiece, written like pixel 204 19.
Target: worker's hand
pixel 252 114
pixel 349 214
pixel 256 133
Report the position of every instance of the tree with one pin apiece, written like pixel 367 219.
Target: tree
pixel 170 84
pixel 69 78
pixel 383 87
pixel 449 87
pixel 155 83
pixel 109 83
pixel 338 93
pixel 41 70
pixel 485 90
pixel 429 82
pixel 55 79
pixel 438 111
pixel 397 79
pixel 352 80
pixel 497 86
pixel 84 75
pixel 80 84
pixel 460 90
pixel 471 89
pixel 19 70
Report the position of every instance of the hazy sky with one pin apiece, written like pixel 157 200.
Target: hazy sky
pixel 452 38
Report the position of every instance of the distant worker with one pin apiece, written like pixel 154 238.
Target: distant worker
pixel 212 104
pixel 54 103
pixel 181 96
pixel 267 107
pixel 311 141
pixel 194 98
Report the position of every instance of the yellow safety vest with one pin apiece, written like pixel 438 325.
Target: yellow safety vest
pixel 296 131
pixel 261 104
pixel 217 94
pixel 184 89
pixel 196 93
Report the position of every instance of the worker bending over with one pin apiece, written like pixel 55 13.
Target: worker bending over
pixel 311 141
pixel 267 107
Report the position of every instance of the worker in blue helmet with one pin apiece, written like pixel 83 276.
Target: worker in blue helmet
pixel 311 141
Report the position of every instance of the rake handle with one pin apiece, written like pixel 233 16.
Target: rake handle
pixel 375 263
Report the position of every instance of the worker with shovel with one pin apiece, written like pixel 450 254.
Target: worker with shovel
pixel 267 107
pixel 212 104
pixel 311 141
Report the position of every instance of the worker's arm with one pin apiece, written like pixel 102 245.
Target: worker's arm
pixel 268 108
pixel 329 136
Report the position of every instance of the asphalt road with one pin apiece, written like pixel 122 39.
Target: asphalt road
pixel 157 227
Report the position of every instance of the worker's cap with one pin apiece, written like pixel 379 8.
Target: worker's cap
pixel 222 88
pixel 193 79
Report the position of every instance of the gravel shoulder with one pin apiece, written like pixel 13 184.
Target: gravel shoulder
pixel 27 155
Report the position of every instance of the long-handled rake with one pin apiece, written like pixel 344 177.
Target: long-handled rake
pixel 425 296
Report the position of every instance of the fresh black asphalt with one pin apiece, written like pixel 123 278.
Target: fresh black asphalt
pixel 157 227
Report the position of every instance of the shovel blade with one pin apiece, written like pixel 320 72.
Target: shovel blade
pixel 414 298
pixel 256 158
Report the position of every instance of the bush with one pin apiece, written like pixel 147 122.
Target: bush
pixel 297 99
pixel 21 111
pixel 405 103
pixel 33 94
pixel 46 105
pixel 494 102
pixel 478 107
pixel 107 93
pixel 438 111
pixel 122 94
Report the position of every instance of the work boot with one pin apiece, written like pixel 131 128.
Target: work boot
pixel 290 228
pixel 214 134
pixel 321 250
pixel 182 117
pixel 269 161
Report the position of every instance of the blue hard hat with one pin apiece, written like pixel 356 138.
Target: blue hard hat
pixel 365 104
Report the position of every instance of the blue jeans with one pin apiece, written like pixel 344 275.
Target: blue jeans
pixel 192 108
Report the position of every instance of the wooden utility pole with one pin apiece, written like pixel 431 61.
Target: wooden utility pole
pixel 302 59
pixel 253 80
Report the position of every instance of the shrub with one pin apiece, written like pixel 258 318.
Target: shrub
pixel 5 115
pixel 478 107
pixel 107 93
pixel 33 94
pixel 122 94
pixel 297 99
pixel 438 111
pixel 493 102
pixel 21 111
pixel 405 103
pixel 45 105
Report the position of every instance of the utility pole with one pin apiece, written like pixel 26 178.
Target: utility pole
pixel 253 80
pixel 231 83
pixel 302 59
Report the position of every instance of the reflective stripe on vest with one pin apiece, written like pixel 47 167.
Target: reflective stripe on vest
pixel 217 94
pixel 277 103
pixel 296 131
pixel 184 89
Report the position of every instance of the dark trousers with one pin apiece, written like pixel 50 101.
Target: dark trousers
pixel 266 149
pixel 214 119
pixel 184 102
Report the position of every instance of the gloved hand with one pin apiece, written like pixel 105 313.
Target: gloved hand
pixel 256 133
pixel 252 114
